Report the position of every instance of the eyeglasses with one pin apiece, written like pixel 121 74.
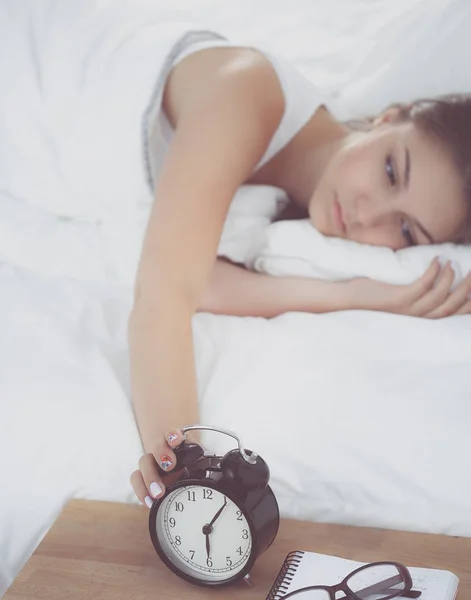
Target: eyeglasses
pixel 375 581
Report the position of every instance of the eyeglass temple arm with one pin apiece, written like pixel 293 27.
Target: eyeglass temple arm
pixel 383 586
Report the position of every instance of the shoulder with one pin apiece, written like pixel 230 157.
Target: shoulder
pixel 228 72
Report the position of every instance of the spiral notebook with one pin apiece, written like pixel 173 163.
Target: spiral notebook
pixel 301 569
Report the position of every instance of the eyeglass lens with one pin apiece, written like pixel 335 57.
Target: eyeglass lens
pixel 375 582
pixel 312 595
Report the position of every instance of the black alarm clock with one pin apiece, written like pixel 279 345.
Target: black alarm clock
pixel 218 517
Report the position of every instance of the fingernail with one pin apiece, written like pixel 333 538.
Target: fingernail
pixel 166 462
pixel 148 501
pixel 155 489
pixel 172 437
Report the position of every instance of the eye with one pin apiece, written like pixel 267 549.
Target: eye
pixel 406 233
pixel 390 171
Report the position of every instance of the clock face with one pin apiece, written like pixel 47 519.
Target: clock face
pixel 203 533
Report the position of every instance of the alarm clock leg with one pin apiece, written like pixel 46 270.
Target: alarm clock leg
pixel 248 580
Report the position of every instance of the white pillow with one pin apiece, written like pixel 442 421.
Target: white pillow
pixel 297 248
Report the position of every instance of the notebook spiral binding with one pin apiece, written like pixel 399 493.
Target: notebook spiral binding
pixel 285 575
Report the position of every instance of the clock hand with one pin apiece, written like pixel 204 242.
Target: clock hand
pixel 218 514
pixel 208 529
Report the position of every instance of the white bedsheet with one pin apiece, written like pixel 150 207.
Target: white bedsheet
pixel 374 407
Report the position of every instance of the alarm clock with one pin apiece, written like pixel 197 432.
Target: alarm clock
pixel 218 517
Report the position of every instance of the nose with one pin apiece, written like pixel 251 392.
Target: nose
pixel 369 209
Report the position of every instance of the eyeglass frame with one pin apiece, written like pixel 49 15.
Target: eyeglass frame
pixel 350 595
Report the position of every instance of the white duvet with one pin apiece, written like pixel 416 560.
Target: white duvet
pixel 363 417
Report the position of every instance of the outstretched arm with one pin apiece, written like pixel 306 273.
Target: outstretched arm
pixel 233 290
pixel 226 107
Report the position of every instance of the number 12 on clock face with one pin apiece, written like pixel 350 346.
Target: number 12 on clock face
pixel 203 533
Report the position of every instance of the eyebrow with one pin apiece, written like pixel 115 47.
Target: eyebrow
pixel 406 183
pixel 407 168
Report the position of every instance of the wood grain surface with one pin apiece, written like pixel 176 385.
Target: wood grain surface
pixel 102 551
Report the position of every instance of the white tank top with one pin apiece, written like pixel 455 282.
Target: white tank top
pixel 302 99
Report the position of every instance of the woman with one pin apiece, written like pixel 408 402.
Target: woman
pixel 238 116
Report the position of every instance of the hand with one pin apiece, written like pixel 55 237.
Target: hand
pixel 154 467
pixel 430 296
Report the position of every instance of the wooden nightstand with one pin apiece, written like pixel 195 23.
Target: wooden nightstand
pixel 102 551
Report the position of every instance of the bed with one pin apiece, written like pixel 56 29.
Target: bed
pixel 363 417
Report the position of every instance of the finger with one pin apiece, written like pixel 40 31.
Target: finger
pixel 425 283
pixel 140 489
pixel 437 295
pixel 151 475
pixel 175 438
pixel 465 309
pixel 164 454
pixel 455 301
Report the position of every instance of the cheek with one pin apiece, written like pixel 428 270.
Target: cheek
pixel 443 218
pixel 344 176
pixel 381 236
pixel 351 170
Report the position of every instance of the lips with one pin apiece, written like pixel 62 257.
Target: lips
pixel 338 216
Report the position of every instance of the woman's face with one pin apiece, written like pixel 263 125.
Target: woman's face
pixel 390 187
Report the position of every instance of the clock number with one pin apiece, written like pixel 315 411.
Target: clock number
pixel 179 506
pixel 239 515
pixel 192 552
pixel 207 494
pixel 228 561
pixel 178 540
pixel 172 522
pixel 245 534
pixel 239 550
pixel 209 562
pixel 191 496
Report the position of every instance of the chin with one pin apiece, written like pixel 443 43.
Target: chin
pixel 318 219
pixel 320 225
pixel 314 218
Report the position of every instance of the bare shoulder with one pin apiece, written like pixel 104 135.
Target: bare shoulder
pixel 239 70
